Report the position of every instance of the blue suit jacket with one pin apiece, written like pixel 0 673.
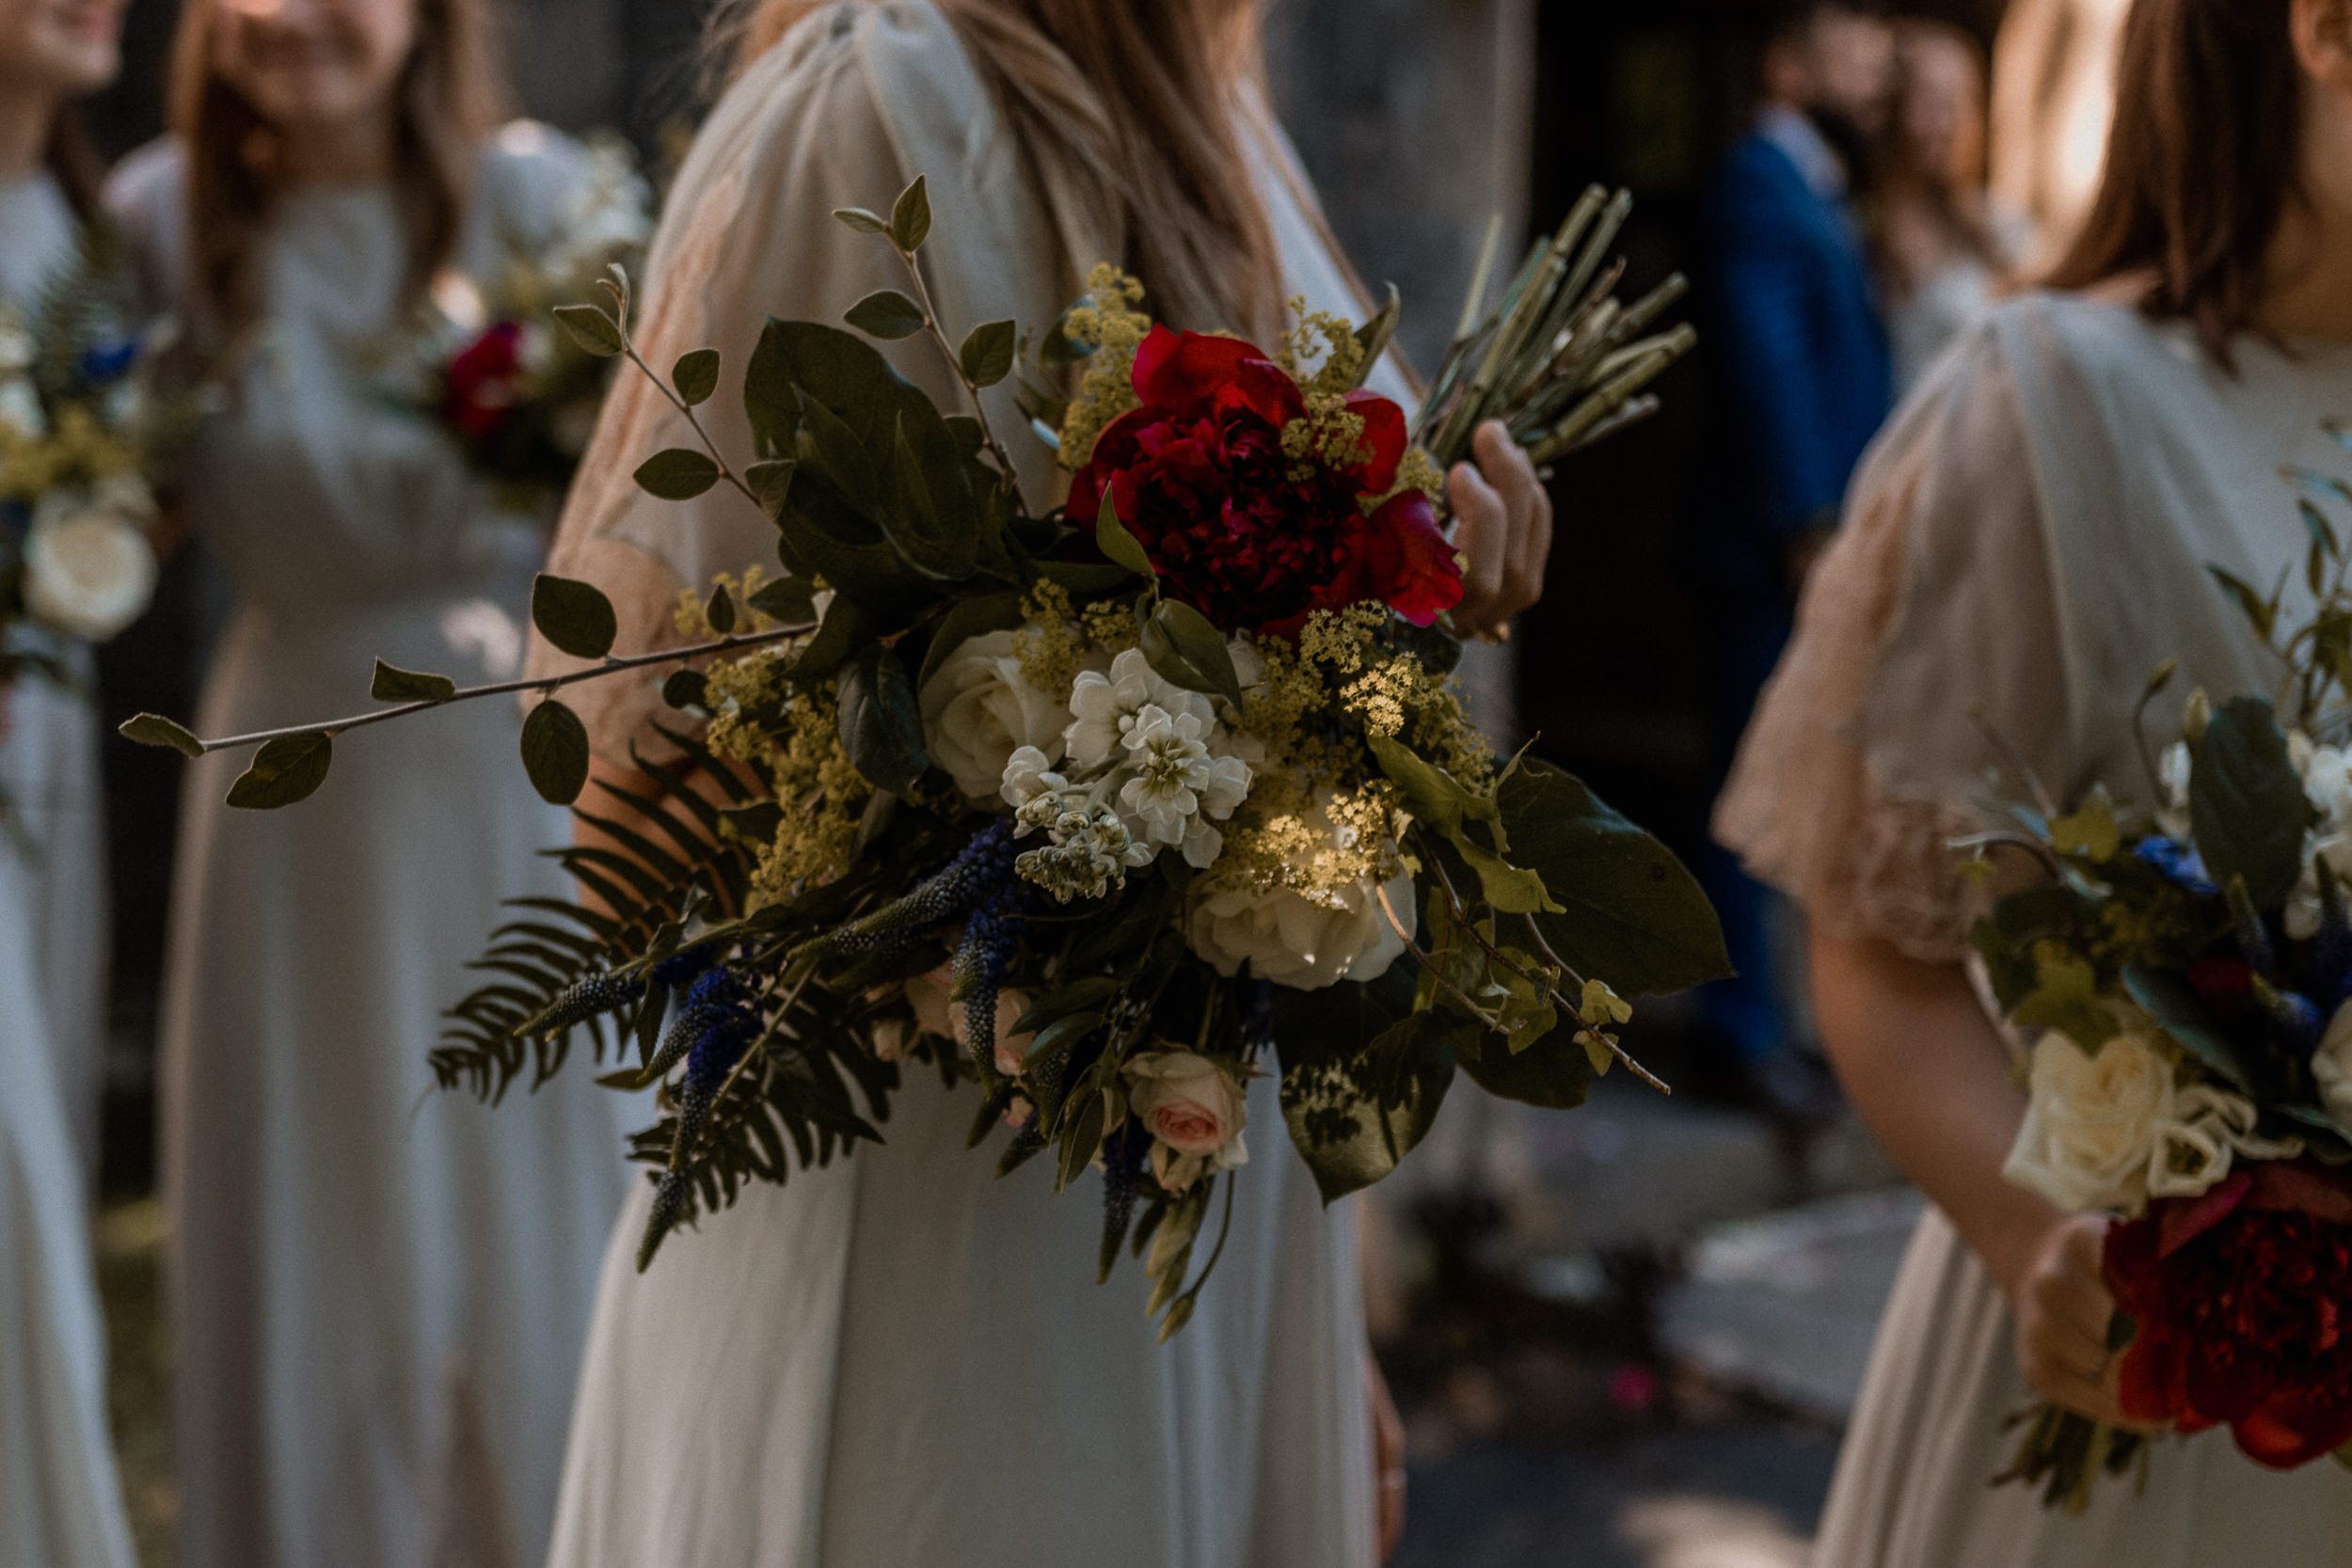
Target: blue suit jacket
pixel 1803 375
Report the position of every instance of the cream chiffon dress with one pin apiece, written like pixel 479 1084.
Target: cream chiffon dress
pixel 2030 535
pixel 60 1502
pixel 379 1291
pixel 899 1360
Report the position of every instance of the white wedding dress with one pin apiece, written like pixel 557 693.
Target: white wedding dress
pixel 2030 536
pixel 898 1360
pixel 60 1500
pixel 379 1291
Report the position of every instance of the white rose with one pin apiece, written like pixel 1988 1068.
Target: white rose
pixel 1194 1111
pixel 2331 1066
pixel 2112 1130
pixel 1300 942
pixel 2091 1122
pixel 88 569
pixel 978 709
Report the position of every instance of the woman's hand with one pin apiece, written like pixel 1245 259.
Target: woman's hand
pixel 1387 1460
pixel 2063 1310
pixel 1505 528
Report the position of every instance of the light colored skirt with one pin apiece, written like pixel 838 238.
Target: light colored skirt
pixel 901 1362
pixel 1913 1486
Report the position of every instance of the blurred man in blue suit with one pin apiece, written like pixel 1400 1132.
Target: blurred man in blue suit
pixel 1803 382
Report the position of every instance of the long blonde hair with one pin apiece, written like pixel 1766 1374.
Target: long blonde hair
pixel 451 96
pixel 1134 110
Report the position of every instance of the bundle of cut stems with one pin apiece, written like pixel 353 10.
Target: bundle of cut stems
pixel 1557 358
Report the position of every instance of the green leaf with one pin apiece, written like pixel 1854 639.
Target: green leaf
pixel 1112 538
pixel 685 688
pixel 2247 807
pixel 771 483
pixel 1085 579
pixel 882 729
pixel 154 729
pixel 970 618
pixel 1180 644
pixel 2092 831
pixel 395 685
pixel 788 601
pixel 1552 1073
pixel 695 376
pixel 2180 1012
pixel 1062 1032
pixel 1363 1075
pixel 1431 793
pixel 719 610
pixel 1079 996
pixel 1634 916
pixel 1373 336
pixel 862 220
pixel 575 616
pixel 1509 889
pixel 592 330
pixel 2066 998
pixel 848 626
pixel 677 474
pixel 1084 1137
pixel 2258 610
pixel 286 769
pixel 987 353
pixel 887 314
pixel 555 752
pixel 910 216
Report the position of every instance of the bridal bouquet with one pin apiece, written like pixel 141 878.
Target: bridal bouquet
pixel 1107 809
pixel 2189 973
pixel 487 363
pixel 81 431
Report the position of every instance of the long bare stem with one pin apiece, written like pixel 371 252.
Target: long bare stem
pixel 610 666
pixel 955 363
pixel 1615 1049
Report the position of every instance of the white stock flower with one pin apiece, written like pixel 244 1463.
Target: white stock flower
pixel 1105 706
pixel 2172 816
pixel 89 568
pixel 1195 1112
pixel 2328 784
pixel 979 710
pixel 2113 1130
pixel 1307 943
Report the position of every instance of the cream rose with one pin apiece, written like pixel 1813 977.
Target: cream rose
pixel 2331 1066
pixel 978 709
pixel 2112 1130
pixel 1304 942
pixel 88 569
pixel 1195 1112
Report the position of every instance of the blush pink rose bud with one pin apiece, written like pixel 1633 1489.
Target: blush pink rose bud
pixel 1194 1109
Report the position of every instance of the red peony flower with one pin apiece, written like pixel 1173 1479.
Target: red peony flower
pixel 478 397
pixel 1199 476
pixel 2244 1298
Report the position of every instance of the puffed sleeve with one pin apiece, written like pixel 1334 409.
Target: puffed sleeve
pixel 748 234
pixel 1936 603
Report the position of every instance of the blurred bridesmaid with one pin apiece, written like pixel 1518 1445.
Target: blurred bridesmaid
pixel 60 1503
pixel 379 1292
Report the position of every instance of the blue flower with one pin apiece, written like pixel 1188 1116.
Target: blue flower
pixel 2179 862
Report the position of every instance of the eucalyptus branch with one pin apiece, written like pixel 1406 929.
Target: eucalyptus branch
pixel 955 362
pixel 610 666
pixel 628 346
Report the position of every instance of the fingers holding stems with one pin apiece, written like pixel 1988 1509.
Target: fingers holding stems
pixel 1503 530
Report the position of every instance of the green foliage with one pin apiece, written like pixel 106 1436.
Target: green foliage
pixel 283 771
pixel 574 616
pixel 395 685
pixel 677 474
pixel 1117 545
pixel 696 376
pixel 555 752
pixel 910 216
pixel 986 358
pixel 881 727
pixel 154 729
pixel 2246 806
pixel 1363 1075
pixel 1183 649
pixel 1630 912
pixel 592 330
pixel 887 314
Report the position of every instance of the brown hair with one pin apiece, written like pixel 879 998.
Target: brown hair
pixel 1158 159
pixel 73 162
pixel 1952 198
pixel 2200 164
pixel 451 96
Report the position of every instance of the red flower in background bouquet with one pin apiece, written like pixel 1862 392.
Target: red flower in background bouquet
pixel 479 396
pixel 1260 501
pixel 2244 1303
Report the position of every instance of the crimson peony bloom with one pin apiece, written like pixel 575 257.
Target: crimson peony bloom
pixel 480 395
pixel 2244 1298
pixel 1199 476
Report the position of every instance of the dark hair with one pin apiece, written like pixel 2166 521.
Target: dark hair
pixel 1790 20
pixel 73 162
pixel 2200 164
pixel 450 98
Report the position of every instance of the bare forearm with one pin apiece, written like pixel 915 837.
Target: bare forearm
pixel 1928 1072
